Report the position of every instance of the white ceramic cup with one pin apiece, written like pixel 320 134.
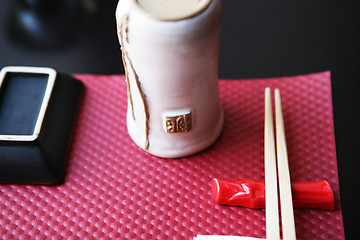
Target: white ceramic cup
pixel 171 66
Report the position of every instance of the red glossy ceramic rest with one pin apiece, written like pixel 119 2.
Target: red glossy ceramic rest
pixel 250 193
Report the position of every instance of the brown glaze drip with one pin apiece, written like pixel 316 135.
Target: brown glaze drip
pixel 143 96
pixel 125 56
pixel 127 80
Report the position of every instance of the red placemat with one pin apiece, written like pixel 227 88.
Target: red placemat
pixel 114 190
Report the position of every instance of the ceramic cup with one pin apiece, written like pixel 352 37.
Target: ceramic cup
pixel 171 67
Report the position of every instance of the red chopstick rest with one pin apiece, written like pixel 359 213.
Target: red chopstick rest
pixel 250 193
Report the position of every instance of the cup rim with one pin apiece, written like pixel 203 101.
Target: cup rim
pixel 137 6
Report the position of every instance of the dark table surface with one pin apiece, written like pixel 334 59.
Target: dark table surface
pixel 259 39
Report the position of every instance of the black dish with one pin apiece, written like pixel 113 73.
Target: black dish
pixel 38 109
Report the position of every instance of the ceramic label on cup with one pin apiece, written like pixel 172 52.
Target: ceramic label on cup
pixel 178 121
pixel 170 54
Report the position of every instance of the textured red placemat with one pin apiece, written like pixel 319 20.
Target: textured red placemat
pixel 114 190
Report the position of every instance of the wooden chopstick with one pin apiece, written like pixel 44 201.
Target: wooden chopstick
pixel 271 192
pixel 287 212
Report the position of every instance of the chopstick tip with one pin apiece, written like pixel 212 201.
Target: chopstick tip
pixel 267 91
pixel 277 93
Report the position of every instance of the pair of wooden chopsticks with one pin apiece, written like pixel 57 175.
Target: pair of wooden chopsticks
pixel 271 191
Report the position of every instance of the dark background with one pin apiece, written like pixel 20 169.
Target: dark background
pixel 259 39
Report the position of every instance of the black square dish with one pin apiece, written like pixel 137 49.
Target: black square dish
pixel 38 109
